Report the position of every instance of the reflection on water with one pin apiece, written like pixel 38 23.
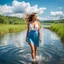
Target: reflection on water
pixel 16 39
pixel 15 50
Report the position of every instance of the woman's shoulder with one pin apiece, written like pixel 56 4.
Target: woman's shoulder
pixel 38 22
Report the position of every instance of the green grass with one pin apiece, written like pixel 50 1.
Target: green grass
pixel 59 29
pixel 8 28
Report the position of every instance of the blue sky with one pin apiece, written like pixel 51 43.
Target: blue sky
pixel 54 8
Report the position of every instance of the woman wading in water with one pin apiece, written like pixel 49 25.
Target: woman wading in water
pixel 33 35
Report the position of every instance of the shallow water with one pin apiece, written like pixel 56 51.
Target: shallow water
pixel 15 50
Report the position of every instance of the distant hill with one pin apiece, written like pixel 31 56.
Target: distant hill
pixel 11 20
pixel 53 21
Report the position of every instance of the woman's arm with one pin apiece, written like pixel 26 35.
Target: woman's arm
pixel 27 30
pixel 39 31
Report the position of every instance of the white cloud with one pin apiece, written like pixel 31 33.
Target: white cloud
pixel 5 9
pixel 57 15
pixel 20 15
pixel 23 7
pixel 19 8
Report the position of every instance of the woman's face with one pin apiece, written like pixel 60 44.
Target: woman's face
pixel 35 17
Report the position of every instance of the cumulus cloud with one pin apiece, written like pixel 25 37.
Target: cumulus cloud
pixel 20 8
pixel 57 15
pixel 23 7
pixel 5 9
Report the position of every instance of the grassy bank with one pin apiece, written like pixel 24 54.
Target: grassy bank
pixel 59 29
pixel 8 28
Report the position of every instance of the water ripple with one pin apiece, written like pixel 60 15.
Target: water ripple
pixel 17 51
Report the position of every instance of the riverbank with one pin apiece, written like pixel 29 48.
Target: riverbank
pixel 58 28
pixel 8 28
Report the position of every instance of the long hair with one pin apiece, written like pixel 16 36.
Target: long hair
pixel 30 17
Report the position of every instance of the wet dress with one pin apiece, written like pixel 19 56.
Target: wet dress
pixel 33 35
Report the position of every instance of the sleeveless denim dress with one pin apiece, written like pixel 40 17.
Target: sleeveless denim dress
pixel 33 35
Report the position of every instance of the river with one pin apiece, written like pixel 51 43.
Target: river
pixel 15 50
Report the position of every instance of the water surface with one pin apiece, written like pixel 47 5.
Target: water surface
pixel 15 50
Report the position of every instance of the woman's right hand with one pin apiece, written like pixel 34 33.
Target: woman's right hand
pixel 40 40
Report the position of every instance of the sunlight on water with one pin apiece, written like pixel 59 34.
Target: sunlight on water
pixel 15 50
pixel 54 36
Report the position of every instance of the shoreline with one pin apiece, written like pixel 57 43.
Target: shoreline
pixel 10 28
pixel 58 29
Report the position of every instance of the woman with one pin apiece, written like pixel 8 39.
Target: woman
pixel 33 36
